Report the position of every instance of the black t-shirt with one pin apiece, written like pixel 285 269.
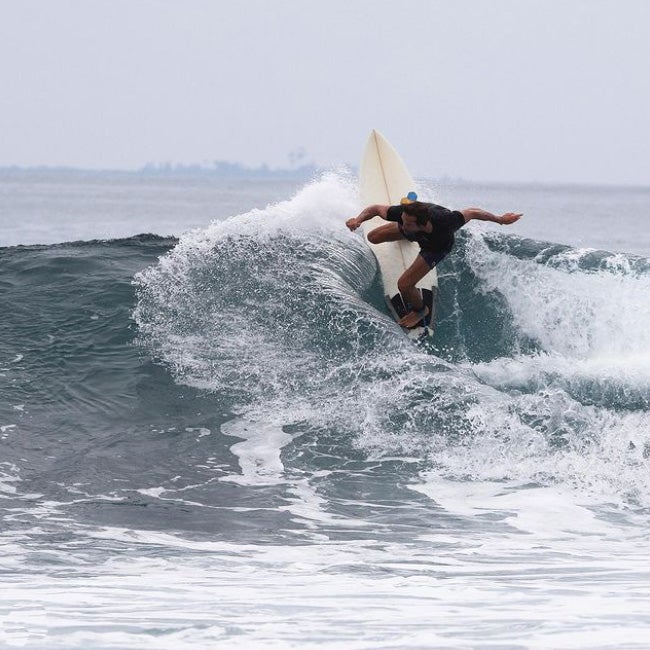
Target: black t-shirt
pixel 444 222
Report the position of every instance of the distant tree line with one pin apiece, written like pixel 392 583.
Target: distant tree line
pixel 225 168
pixel 219 168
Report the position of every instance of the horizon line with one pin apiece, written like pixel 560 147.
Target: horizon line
pixel 226 169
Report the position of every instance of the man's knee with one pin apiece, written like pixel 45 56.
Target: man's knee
pixel 404 284
pixel 376 236
pixel 388 232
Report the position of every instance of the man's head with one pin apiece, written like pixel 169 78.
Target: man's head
pixel 418 210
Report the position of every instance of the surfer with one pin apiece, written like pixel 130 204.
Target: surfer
pixel 432 227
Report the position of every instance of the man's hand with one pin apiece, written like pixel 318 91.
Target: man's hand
pixel 368 213
pixel 509 217
pixel 353 223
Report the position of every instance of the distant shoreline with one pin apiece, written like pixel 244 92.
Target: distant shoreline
pixel 221 169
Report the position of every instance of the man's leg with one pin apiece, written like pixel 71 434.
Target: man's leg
pixel 410 294
pixel 387 232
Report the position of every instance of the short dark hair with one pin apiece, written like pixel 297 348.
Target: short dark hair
pixel 418 210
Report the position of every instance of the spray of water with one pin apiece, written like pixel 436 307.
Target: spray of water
pixel 278 313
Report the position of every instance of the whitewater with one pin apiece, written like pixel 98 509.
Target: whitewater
pixel 212 434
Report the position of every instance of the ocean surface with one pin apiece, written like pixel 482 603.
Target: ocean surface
pixel 212 435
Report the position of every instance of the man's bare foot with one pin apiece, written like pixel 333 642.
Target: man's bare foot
pixel 414 317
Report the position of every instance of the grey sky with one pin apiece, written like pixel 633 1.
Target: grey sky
pixel 506 90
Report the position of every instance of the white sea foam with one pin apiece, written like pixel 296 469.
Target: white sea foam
pixel 259 453
pixel 599 314
pixel 561 587
pixel 9 473
pixel 549 513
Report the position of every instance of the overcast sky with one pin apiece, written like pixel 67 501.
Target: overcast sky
pixel 494 90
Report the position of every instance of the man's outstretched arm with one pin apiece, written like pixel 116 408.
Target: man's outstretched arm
pixel 368 213
pixel 483 215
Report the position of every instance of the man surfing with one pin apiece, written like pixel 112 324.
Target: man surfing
pixel 432 227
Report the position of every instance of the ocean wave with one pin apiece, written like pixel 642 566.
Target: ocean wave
pixel 538 371
pixel 281 310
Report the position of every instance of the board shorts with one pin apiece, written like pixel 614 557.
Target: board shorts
pixel 432 258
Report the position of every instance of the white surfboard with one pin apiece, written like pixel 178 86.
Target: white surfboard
pixel 385 180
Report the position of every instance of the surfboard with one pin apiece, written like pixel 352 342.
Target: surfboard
pixel 384 179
